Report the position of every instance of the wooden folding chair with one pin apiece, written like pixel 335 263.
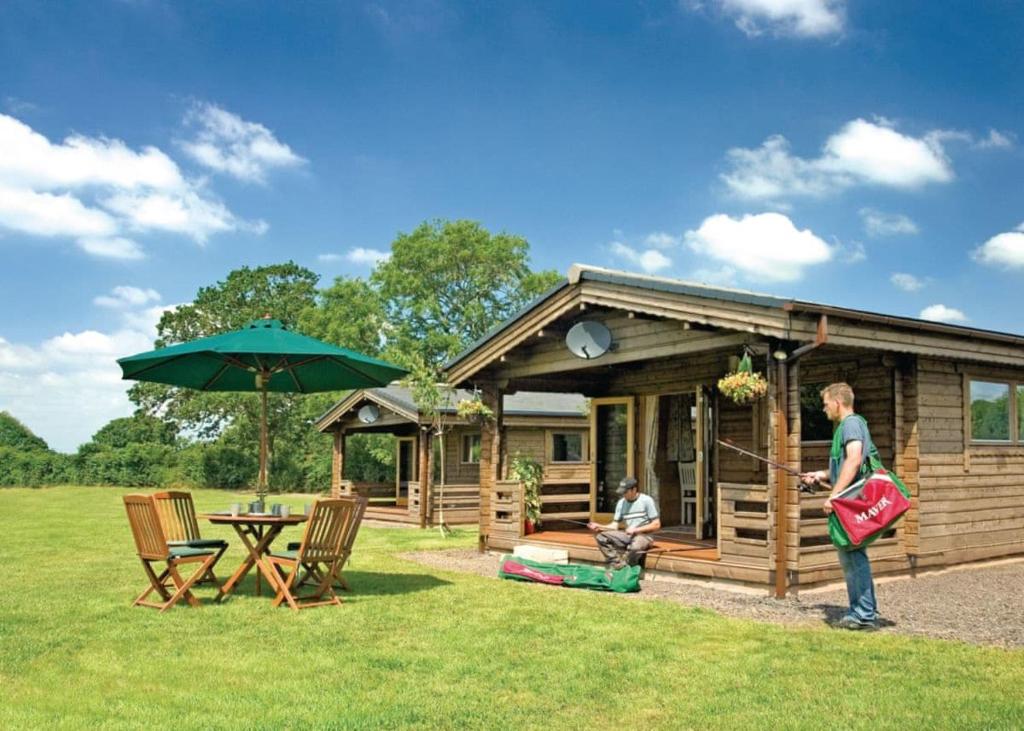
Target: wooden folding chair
pixel 152 548
pixel 325 547
pixel 313 572
pixel 178 520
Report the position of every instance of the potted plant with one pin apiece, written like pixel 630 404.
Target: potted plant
pixel 529 473
pixel 474 410
pixel 744 385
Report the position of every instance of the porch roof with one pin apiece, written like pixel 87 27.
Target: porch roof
pixel 400 400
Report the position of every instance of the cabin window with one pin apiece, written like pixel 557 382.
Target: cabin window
pixel 470 449
pixel 566 447
pixel 990 411
pixel 814 425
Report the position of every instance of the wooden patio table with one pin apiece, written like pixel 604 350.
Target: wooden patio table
pixel 257 531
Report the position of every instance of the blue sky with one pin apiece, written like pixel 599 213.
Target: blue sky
pixel 858 153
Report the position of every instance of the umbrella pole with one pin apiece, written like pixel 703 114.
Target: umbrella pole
pixel 261 482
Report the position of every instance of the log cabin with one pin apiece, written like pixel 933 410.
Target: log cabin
pixel 945 405
pixel 551 428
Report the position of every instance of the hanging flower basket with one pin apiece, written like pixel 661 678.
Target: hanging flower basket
pixel 744 386
pixel 474 410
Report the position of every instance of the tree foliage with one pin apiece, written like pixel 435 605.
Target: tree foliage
pixel 18 436
pixel 447 283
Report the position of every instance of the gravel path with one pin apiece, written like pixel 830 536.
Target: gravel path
pixel 980 604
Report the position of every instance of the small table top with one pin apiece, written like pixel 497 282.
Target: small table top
pixel 254 518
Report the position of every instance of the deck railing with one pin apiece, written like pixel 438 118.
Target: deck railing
pixel 747 523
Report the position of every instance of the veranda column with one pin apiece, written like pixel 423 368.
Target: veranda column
pixel 337 462
pixel 425 476
pixel 490 455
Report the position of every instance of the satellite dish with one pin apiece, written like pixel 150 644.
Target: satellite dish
pixel 588 339
pixel 369 413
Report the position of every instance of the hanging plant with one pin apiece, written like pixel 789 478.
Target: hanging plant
pixel 744 386
pixel 530 473
pixel 474 410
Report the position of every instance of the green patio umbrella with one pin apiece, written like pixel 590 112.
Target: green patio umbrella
pixel 263 356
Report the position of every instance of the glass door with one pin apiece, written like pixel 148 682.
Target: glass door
pixel 611 452
pixel 405 468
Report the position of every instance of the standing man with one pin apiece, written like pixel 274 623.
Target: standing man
pixel 851 444
pixel 638 514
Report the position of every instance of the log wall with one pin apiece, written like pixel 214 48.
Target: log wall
pixel 971 496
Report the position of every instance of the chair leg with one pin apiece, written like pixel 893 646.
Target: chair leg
pixel 209 577
pixel 284 588
pixel 156 583
pixel 184 585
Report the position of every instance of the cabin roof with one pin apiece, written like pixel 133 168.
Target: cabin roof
pixel 786 306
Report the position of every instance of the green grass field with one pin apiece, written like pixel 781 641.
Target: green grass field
pixel 416 647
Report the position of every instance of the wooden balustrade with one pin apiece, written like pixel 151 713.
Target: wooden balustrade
pixel 506 509
pixel 746 523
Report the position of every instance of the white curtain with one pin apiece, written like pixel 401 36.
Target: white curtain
pixel 651 441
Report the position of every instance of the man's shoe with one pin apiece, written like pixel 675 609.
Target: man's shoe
pixel 852 623
pixel 619 564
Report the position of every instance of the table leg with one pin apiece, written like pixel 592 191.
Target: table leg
pixel 256 542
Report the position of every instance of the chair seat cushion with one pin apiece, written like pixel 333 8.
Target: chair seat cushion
pixel 294 546
pixel 199 543
pixel 186 551
pixel 290 554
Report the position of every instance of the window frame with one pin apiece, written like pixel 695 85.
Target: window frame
pixel 466 452
pixel 814 442
pixel 584 446
pixel 1015 439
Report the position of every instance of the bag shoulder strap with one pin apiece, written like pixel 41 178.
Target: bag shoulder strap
pixel 873 461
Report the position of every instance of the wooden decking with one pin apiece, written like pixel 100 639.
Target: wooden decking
pixel 580 544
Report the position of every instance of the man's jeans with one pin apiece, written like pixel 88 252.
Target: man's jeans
pixel 615 544
pixel 859 586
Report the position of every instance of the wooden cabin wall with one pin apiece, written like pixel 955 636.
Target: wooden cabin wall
pixel 971 500
pixel 457 472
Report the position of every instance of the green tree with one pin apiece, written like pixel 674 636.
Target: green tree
pixel 447 283
pixel 284 291
pixel 137 429
pixel 18 436
pixel 349 313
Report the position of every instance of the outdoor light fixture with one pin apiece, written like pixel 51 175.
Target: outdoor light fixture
pixel 780 354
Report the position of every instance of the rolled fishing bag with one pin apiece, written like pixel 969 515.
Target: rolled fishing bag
pixel 622 580
pixel 865 510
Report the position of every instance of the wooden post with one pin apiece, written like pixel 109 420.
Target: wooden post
pixel 490 456
pixel 781 487
pixel 425 475
pixel 338 462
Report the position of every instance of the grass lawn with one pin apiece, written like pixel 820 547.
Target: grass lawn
pixel 416 647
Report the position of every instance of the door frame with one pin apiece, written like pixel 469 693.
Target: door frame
pixel 413 468
pixel 629 402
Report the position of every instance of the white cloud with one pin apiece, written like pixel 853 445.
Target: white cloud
pixel 38 381
pixel 372 257
pixel 1005 250
pixel 996 140
pixel 46 214
pixel 116 247
pixel 328 258
pixel 906 282
pixel 878 223
pixel 852 252
pixel 861 153
pixel 806 18
pixel 61 189
pixel 229 144
pixel 662 240
pixel 766 246
pixel 32 161
pixel 127 296
pixel 650 261
pixel 941 313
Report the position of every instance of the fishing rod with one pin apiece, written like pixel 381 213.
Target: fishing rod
pixel 789 470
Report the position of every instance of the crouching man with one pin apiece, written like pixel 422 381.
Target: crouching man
pixel 629 536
